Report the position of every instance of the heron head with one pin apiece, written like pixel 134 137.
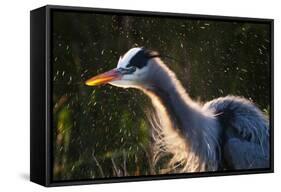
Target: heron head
pixel 132 70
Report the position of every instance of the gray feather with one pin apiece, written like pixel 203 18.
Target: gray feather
pixel 245 133
pixel 243 154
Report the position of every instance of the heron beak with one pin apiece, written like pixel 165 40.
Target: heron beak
pixel 104 78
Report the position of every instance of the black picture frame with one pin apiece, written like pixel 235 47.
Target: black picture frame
pixel 41 91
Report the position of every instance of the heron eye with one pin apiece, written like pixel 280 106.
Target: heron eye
pixel 128 70
pixel 132 69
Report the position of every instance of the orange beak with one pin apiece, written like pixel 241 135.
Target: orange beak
pixel 104 78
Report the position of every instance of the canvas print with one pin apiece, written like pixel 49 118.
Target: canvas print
pixel 142 95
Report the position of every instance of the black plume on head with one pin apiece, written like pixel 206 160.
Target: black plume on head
pixel 141 58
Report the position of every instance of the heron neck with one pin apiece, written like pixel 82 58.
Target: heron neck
pixel 166 90
pixel 177 111
pixel 185 114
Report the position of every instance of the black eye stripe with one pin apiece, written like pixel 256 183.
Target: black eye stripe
pixel 141 58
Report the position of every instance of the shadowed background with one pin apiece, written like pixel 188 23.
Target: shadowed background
pixel 103 131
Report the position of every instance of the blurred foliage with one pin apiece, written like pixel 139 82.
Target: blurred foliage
pixel 103 131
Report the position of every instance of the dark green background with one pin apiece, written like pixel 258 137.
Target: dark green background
pixel 102 131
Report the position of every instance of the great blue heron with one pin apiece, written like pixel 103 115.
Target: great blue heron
pixel 227 133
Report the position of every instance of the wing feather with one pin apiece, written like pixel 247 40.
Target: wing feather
pixel 244 133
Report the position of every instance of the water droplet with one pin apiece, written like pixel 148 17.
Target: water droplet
pixel 260 51
pixel 244 70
